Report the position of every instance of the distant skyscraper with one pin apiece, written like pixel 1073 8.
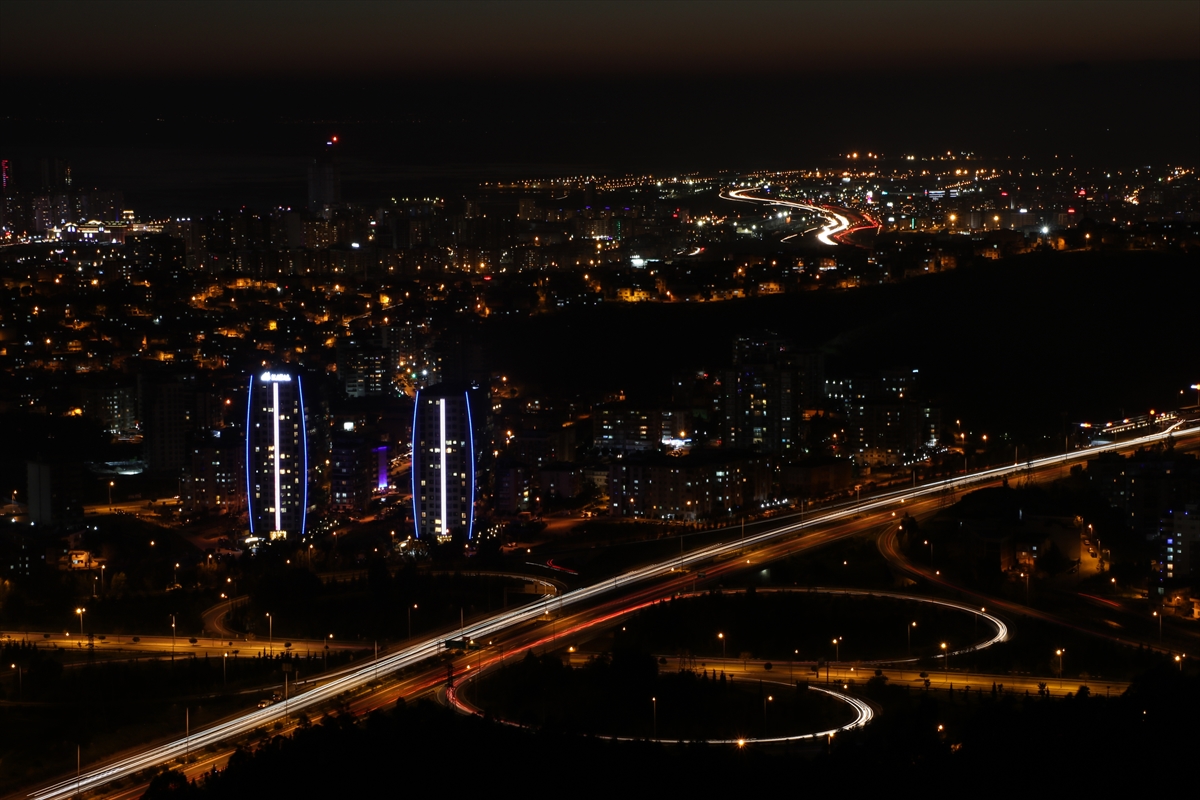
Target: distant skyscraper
pixel 324 180
pixel 443 468
pixel 276 456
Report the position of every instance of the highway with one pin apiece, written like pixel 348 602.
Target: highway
pixel 863 713
pixel 1000 629
pixel 842 676
pixel 889 548
pixel 835 223
pixel 413 653
pixel 217 639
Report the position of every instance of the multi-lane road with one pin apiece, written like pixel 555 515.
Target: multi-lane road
pixel 616 596
pixel 836 223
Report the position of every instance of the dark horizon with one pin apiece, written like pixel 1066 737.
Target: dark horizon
pixel 186 106
pixel 184 147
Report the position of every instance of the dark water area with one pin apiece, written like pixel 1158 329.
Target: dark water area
pixel 1012 345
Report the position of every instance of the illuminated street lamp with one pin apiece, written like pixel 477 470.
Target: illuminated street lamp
pixel 946 657
pixel 80 612
pixel 1059 653
pixel 1159 625
pixel 410 610
pixel 654 711
pixel 908 629
pixel 110 488
pixel 721 636
pixel 270 634
pixel 837 649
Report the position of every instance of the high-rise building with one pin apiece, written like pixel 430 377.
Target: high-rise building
pixel 171 406
pixel 324 181
pixel 276 456
pixel 1181 556
pixel 351 477
pixel 443 465
pixel 766 391
pixel 213 480
pixel 365 367
pixel 618 428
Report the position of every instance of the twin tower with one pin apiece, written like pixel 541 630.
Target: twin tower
pixel 443 465
pixel 277 462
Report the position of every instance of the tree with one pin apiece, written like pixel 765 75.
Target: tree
pixel 1053 560
pixel 171 783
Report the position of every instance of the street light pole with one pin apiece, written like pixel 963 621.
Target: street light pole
pixel 80 612
pixel 908 630
pixel 1155 614
pixel 270 634
pixel 224 659
pixel 721 636
pixel 654 703
pixel 172 637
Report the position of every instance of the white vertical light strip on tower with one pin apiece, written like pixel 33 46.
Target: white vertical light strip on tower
pixel 278 490
pixel 445 518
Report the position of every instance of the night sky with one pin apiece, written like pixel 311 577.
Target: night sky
pixel 225 100
pixel 263 38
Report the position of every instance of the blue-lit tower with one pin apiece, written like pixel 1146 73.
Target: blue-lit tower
pixel 276 456
pixel 443 466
